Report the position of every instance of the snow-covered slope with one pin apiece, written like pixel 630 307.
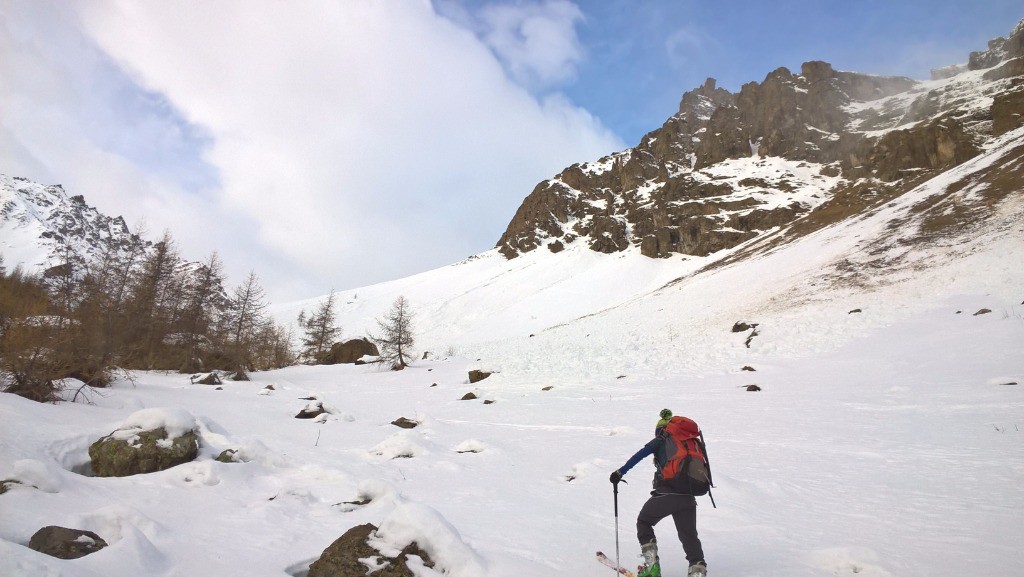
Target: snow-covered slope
pixel 884 443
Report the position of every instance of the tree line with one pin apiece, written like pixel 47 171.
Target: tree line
pixel 135 305
pixel 140 306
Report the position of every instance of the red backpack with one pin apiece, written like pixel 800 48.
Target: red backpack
pixel 682 460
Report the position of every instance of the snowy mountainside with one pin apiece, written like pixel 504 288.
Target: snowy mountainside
pixel 859 141
pixel 38 223
pixel 959 233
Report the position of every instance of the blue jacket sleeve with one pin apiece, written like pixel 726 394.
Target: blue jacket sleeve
pixel 640 455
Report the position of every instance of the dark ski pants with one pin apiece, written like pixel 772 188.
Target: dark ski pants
pixel 683 509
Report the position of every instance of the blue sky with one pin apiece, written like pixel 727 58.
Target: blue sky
pixel 341 143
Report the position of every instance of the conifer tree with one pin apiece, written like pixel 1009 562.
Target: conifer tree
pixel 245 319
pixel 396 338
pixel 320 329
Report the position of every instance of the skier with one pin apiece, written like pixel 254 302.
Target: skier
pixel 665 500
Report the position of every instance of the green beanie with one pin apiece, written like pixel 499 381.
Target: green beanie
pixel 665 415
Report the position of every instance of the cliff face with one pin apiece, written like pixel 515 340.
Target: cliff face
pixel 809 147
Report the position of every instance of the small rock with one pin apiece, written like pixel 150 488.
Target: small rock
pixel 64 543
pixel 468 397
pixel 750 337
pixel 982 312
pixel 270 388
pixel 748 368
pixel 240 376
pixel 311 411
pixel 854 311
pixel 210 379
pixel 741 326
pixel 753 388
pixel 434 385
pixel 227 456
pixel 477 375
pixel 488 402
pixel 1010 384
pixel 548 388
pixel 404 423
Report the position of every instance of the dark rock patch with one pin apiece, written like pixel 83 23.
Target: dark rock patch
pixel 982 312
pixel 405 423
pixel 64 543
pixel 753 388
pixel 228 456
pixel 854 311
pixel 209 379
pixel 750 337
pixel 748 368
pixel 312 410
pixel 468 397
pixel 349 352
pixel 477 375
pixel 740 326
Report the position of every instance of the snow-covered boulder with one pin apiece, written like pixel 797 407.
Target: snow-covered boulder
pixel 352 556
pixel 149 440
pixel 64 543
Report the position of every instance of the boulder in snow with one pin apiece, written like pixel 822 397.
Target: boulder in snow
pixel 351 556
pixel 150 440
pixel 348 352
pixel 64 543
pixel 478 375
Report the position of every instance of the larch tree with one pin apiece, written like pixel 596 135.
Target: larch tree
pixel 320 329
pixel 396 338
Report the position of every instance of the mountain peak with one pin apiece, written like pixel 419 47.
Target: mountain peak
pixel 728 168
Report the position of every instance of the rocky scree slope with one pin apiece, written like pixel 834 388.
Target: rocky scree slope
pixel 787 156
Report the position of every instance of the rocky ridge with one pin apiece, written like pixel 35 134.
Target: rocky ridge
pixel 789 155
pixel 61 227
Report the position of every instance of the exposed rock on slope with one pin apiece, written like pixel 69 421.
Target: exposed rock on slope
pixel 808 148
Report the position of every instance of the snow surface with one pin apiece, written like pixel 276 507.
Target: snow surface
pixel 885 442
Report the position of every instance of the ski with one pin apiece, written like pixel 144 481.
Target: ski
pixel 606 561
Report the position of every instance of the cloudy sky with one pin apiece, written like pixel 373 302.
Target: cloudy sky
pixel 339 143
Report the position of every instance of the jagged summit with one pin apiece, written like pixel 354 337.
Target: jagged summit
pixel 803 148
pixel 41 226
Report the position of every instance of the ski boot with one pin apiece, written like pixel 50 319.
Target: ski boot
pixel 698 569
pixel 652 565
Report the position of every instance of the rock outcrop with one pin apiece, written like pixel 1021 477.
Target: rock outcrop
pixel 727 168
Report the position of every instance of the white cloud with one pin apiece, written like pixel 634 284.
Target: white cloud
pixel 352 141
pixel 536 40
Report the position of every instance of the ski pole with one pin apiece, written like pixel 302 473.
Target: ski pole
pixel 707 461
pixel 615 493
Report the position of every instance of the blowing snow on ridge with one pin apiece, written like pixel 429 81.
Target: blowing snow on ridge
pixel 823 270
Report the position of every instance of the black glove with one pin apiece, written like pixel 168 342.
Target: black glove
pixel 615 478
